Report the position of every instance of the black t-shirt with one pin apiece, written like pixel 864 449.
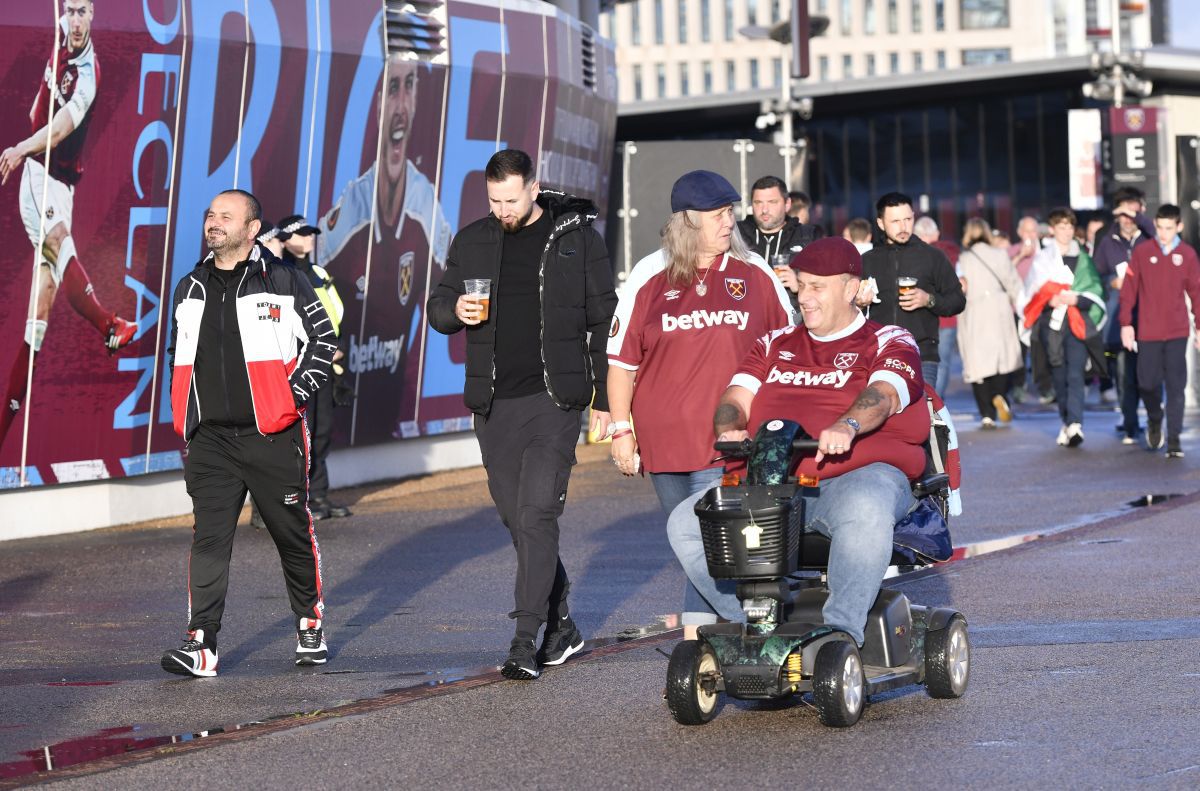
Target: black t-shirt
pixel 222 384
pixel 516 308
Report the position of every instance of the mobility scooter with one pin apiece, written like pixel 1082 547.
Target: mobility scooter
pixel 753 534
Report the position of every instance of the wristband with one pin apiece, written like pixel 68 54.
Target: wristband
pixel 625 432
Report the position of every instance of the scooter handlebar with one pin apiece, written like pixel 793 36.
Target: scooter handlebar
pixel 804 444
pixel 734 448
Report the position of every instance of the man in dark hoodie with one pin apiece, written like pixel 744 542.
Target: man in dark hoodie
pixel 535 359
pixel 771 231
pixel 937 292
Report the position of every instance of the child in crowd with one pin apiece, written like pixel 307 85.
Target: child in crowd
pixel 1160 272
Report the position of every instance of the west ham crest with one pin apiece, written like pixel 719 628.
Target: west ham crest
pixel 736 287
pixel 845 359
pixel 1135 118
pixel 1176 259
pixel 404 278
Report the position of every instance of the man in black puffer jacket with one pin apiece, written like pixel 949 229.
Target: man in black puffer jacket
pixel 535 359
pixel 937 292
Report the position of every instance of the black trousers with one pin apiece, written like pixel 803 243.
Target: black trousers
pixel 1159 363
pixel 1127 365
pixel 319 415
pixel 528 448
pixel 221 465
pixel 988 389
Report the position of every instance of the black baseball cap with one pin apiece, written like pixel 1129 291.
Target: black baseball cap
pixel 702 190
pixel 295 224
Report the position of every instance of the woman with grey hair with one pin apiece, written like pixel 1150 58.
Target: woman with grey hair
pixel 686 317
pixel 987 329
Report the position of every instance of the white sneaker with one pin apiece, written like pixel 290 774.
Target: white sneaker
pixel 1062 437
pixel 1074 435
pixel 310 642
pixel 987 424
pixel 192 658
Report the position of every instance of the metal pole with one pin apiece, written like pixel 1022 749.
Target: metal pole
pixel 1117 71
pixel 785 105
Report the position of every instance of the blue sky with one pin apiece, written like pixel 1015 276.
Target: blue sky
pixel 1185 24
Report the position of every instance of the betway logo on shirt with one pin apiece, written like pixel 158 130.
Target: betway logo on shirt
pixel 699 319
pixel 802 378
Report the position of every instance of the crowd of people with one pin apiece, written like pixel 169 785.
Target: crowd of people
pixel 725 326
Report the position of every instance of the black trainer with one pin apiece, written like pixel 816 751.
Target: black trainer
pixel 1154 435
pixel 561 643
pixel 310 642
pixel 521 664
pixel 1174 448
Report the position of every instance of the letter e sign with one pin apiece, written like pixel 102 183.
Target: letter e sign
pixel 1135 152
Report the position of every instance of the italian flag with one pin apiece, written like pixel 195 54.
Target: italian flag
pixel 1049 275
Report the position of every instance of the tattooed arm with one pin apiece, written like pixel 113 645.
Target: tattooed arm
pixel 875 404
pixel 733 412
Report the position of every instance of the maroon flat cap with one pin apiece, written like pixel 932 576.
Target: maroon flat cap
pixel 831 255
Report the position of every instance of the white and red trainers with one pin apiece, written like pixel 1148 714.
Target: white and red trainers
pixel 193 658
pixel 310 642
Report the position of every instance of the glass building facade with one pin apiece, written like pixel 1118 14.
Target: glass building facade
pixel 997 158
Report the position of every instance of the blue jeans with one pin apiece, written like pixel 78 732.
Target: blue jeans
pixel 673 488
pixel 929 372
pixel 857 511
pixel 1070 387
pixel 947 351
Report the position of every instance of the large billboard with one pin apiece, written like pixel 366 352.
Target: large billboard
pixel 371 118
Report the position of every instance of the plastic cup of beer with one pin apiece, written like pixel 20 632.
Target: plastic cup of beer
pixel 479 290
pixel 906 284
pixel 781 263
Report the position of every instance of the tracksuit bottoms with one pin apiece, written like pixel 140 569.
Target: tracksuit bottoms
pixel 221 465
pixel 1159 363
pixel 528 448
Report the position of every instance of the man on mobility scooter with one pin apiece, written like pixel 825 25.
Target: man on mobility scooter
pixel 856 386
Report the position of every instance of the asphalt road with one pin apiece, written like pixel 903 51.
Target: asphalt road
pixel 1085 665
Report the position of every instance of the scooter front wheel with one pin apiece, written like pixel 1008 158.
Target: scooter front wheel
pixel 691 676
pixel 839 684
pixel 948 659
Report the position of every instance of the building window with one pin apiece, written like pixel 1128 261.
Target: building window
pixel 939 14
pixel 660 77
pixel 706 71
pixel 730 75
pixel 870 65
pixel 753 74
pixel 684 84
pixel 637 82
pixel 774 11
pixel 918 61
pixel 847 67
pixel 682 21
pixel 659 25
pixel 705 25
pixel 893 16
pixel 916 15
pixel 822 6
pixel 982 57
pixel 868 17
pixel 635 24
pixel 844 17
pixel 941 59
pixel 982 14
pixel 777 68
pixel 729 20
pixel 823 67
pixel 894 63
pixel 751 12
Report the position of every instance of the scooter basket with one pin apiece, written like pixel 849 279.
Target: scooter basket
pixel 751 532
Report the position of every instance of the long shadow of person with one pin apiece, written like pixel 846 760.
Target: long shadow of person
pixel 393 581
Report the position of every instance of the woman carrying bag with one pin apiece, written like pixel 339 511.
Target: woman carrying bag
pixel 987 330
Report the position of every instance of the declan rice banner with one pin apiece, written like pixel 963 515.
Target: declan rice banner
pixel 150 107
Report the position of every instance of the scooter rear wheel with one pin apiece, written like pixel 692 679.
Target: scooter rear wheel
pixel 839 684
pixel 692 662
pixel 948 660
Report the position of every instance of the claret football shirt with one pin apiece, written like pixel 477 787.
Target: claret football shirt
pixel 684 346
pixel 814 380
